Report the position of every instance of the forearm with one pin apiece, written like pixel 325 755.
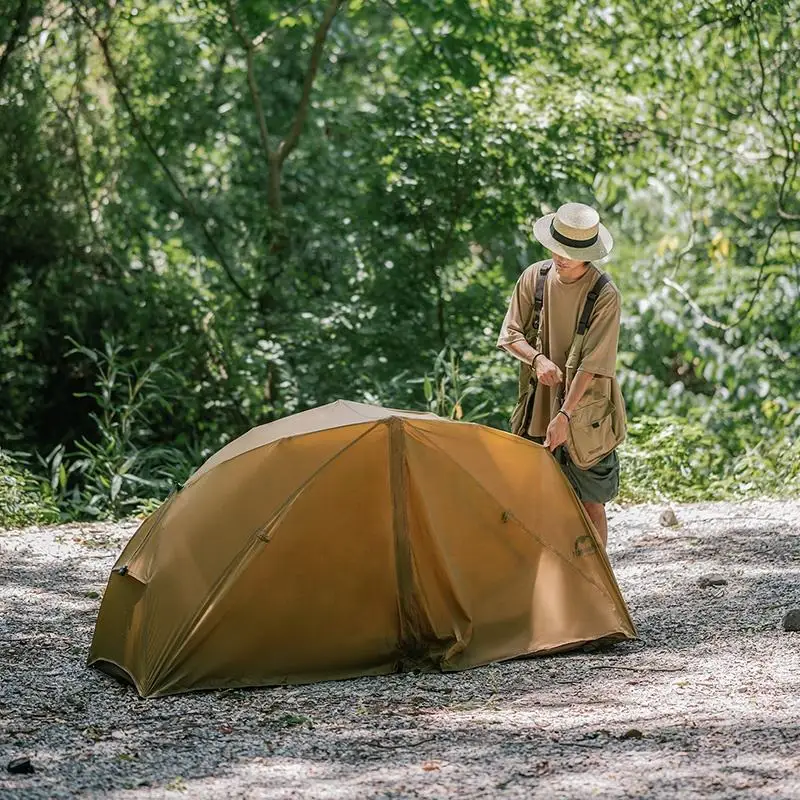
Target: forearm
pixel 577 389
pixel 522 351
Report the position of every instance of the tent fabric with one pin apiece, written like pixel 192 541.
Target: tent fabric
pixel 356 540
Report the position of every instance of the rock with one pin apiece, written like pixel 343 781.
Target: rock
pixel 668 519
pixel 633 733
pixel 791 622
pixel 20 766
pixel 711 580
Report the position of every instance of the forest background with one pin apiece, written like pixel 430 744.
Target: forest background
pixel 219 212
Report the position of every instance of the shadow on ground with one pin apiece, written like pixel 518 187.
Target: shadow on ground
pixel 705 705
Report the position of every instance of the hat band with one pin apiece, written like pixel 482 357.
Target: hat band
pixel 559 237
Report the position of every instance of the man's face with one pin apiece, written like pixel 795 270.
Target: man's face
pixel 567 266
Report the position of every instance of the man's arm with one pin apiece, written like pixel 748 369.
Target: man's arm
pixel 580 383
pixel 546 371
pixel 521 350
pixel 512 332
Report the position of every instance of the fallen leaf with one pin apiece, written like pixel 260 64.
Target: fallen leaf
pixel 430 766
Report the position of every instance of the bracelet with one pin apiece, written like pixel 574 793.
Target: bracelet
pixel 533 360
pixel 561 411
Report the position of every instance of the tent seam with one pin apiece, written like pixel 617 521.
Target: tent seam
pixel 521 524
pixel 576 503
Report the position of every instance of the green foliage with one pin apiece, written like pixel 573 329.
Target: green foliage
pixel 115 472
pixel 447 389
pixel 187 175
pixel 24 498
pixel 698 458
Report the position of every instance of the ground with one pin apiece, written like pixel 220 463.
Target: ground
pixel 705 704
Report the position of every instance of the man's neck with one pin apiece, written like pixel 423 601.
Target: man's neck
pixel 575 275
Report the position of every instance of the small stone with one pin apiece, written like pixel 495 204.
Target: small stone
pixel 20 766
pixel 711 580
pixel 633 733
pixel 668 519
pixel 791 622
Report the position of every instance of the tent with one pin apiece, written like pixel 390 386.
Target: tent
pixel 353 540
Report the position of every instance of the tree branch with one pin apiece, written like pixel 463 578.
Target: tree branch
pixel 251 82
pixel 261 38
pixel 760 277
pixel 289 143
pixel 79 168
pixel 704 318
pixel 428 51
pixel 143 135
pixel 785 132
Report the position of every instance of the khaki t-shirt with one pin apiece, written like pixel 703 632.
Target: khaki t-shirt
pixel 563 304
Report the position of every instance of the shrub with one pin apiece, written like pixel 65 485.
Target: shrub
pixel 24 498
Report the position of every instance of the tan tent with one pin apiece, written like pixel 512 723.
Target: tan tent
pixel 356 540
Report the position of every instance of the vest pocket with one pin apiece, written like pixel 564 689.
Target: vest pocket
pixel 591 433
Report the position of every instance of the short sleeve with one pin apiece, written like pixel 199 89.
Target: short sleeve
pixel 520 310
pixel 599 351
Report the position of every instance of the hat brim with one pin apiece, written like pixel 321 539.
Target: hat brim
pixel 600 249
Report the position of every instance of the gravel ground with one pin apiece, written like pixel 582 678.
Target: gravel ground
pixel 706 704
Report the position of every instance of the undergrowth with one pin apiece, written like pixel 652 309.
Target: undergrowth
pixel 707 453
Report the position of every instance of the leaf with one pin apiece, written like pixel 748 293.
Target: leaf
pixel 144 481
pixel 58 457
pixel 458 412
pixel 116 485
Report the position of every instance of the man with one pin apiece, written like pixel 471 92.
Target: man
pixel 576 409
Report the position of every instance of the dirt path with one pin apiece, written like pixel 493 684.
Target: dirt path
pixel 706 705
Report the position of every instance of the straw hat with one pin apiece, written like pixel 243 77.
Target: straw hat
pixel 574 231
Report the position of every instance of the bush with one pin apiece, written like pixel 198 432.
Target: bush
pixel 121 470
pixel 24 498
pixel 709 455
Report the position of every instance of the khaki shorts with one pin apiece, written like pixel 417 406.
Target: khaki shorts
pixel 598 484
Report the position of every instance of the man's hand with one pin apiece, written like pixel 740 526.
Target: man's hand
pixel 547 372
pixel 557 432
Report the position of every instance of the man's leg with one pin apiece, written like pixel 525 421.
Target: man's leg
pixel 600 482
pixel 597 514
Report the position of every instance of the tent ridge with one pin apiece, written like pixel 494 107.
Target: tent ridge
pixel 415 627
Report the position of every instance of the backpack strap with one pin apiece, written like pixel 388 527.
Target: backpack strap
pixel 538 303
pixel 531 338
pixel 591 299
pixel 574 358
